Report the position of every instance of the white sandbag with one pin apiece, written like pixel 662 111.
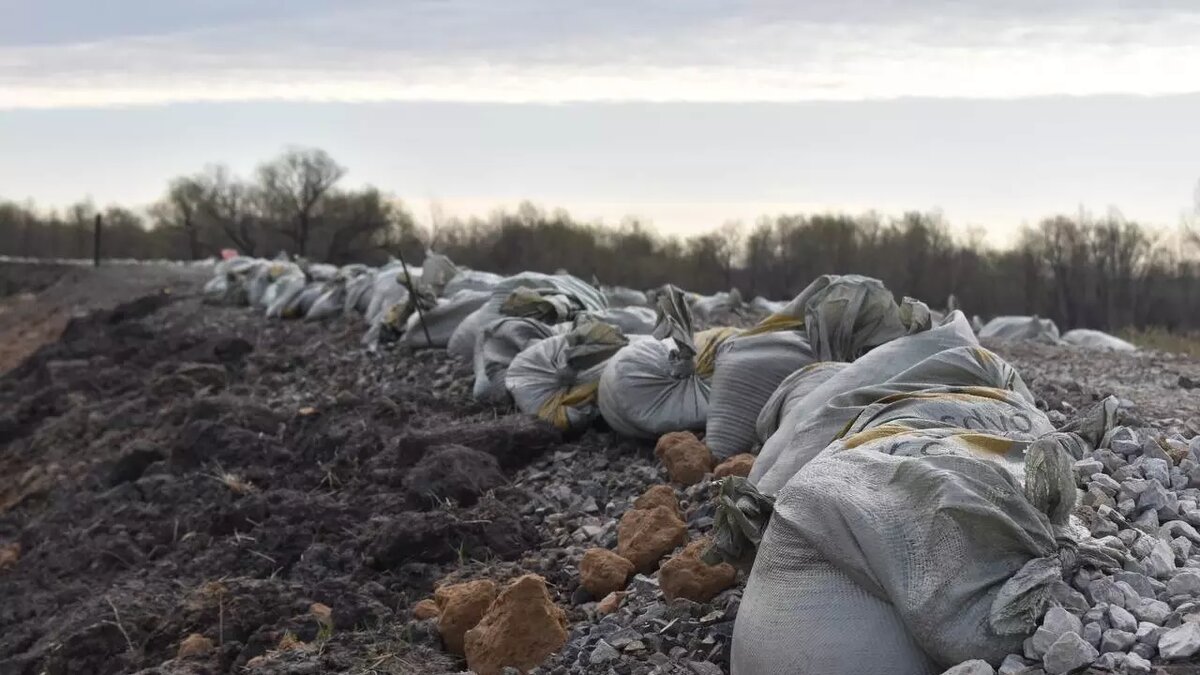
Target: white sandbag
pixel 285 301
pixel 436 271
pixel 441 321
pixel 841 317
pixel 764 306
pixel 308 297
pixel 791 391
pixel 778 461
pixel 389 290
pixel 358 293
pixel 845 316
pixel 658 385
pixel 471 280
pixel 499 343
pixel 1095 339
pixel 1015 328
pixel 557 378
pixel 631 320
pixel 748 370
pixel 462 343
pixel 329 304
pixel 716 308
pixel 619 296
pixel 931 522
pixel 321 271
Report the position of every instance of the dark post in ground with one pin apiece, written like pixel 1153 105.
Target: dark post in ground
pixel 96 241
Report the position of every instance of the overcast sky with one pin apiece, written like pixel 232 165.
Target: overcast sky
pixel 686 112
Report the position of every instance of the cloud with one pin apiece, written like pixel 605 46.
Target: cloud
pixel 525 51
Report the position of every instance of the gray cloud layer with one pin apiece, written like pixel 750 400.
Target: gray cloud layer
pixel 59 53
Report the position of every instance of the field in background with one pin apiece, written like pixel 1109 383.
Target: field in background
pixel 1164 340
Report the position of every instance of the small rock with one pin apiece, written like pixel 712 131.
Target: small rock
pixel 1014 664
pixel 644 536
pixel 610 603
pixel 1161 561
pixel 426 609
pixel 1154 611
pixel 686 459
pixel 1115 640
pixel 603 653
pixel 1068 653
pixel 658 495
pixel 1055 624
pixel 461 606
pixel 322 613
pixel 738 465
pixel 1148 633
pixel 194 646
pixel 1121 619
pixel 972 667
pixel 521 628
pixel 1187 582
pixel 9 555
pixel 1136 665
pixel 1093 633
pixel 602 572
pixel 687 576
pixel 1180 642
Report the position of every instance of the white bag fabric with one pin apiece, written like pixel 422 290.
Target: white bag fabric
pixel 619 296
pixel 441 321
pixel 557 378
pixel 1095 339
pixel 1017 328
pixel 462 343
pixel 471 280
pixel 791 391
pixel 499 343
pixel 815 420
pixel 631 320
pixel 748 370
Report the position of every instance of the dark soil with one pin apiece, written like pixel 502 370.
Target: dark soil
pixel 173 469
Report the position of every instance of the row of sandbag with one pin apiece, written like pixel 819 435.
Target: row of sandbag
pixel 674 379
pixel 920 498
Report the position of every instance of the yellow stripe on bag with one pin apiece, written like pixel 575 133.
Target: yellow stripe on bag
pixel 776 323
pixel 874 434
pixel 554 410
pixel 995 445
pixel 707 343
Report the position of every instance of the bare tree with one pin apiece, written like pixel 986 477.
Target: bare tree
pixel 294 187
pixel 362 222
pixel 230 205
pixel 181 210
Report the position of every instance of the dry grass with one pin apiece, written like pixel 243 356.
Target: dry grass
pixel 1164 340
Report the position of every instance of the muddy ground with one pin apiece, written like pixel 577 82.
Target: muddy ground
pixel 169 468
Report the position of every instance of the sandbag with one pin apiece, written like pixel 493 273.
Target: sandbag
pixel 840 318
pixel 308 297
pixel 1017 328
pixel 436 271
pixel 471 280
pixel 748 370
pixel 321 271
pixel 548 306
pixel 845 316
pixel 619 296
pixel 1095 339
pixel 358 293
pixel 259 285
pixel 557 378
pixel 764 306
pixel 791 391
pixel 284 304
pixel 659 385
pixel 923 540
pixel 778 460
pixel 631 320
pixel 442 320
pixel 389 289
pixel 329 304
pixel 462 342
pixel 718 307
pixel 499 343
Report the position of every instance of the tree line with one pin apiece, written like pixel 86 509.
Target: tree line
pixel 1083 271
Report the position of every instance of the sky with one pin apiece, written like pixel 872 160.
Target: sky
pixel 686 113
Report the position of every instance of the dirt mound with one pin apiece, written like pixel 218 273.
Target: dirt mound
pixel 180 471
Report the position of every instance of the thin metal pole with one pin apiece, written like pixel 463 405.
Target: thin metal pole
pixel 96 241
pixel 412 293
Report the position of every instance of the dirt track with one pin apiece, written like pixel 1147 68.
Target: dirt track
pixel 172 468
